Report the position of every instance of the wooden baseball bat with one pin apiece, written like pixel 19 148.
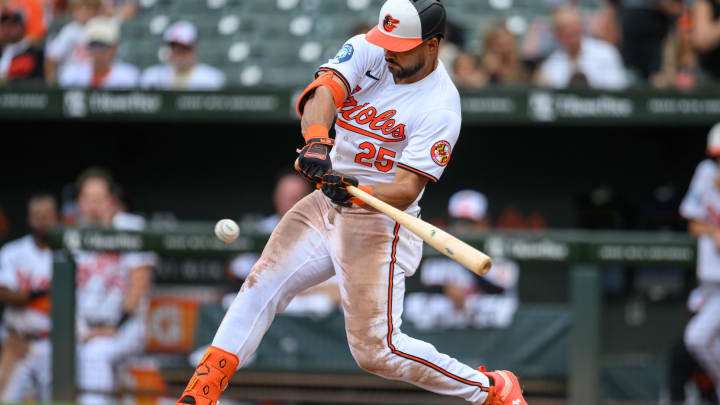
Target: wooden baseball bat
pixel 476 261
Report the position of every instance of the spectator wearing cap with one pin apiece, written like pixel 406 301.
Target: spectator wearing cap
pixel 449 296
pixel 468 208
pixel 36 15
pixel 69 45
pixel 103 70
pixel 182 72
pixel 580 61
pixel 19 59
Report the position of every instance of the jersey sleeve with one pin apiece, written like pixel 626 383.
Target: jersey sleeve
pixel 430 145
pixel 353 59
pixel 691 207
pixel 8 278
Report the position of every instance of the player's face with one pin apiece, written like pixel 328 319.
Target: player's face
pixel 404 65
pixel 42 217
pixel 182 56
pixel 95 201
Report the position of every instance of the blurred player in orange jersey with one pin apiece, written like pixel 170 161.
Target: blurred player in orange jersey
pixel 25 274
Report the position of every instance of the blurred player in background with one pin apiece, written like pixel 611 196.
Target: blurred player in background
pixel 19 58
pixel 25 274
pixel 456 298
pixel 397 117
pixel 183 72
pixel 102 71
pixel 112 295
pixel 69 46
pixel 701 207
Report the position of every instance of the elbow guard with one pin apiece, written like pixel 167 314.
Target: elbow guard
pixel 324 79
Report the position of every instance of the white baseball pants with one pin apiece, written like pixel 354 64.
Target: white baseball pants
pixel 31 376
pixel 371 256
pixel 702 334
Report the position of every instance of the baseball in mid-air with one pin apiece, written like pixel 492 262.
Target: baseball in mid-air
pixel 227 230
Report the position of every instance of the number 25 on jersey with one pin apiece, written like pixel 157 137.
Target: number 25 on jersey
pixel 369 152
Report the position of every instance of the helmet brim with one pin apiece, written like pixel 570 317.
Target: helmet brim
pixel 395 44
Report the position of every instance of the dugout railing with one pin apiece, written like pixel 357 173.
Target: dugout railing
pixel 585 253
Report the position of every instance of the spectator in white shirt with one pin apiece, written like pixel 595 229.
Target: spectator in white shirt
pixel 103 70
pixel 580 60
pixel 182 72
pixel 69 44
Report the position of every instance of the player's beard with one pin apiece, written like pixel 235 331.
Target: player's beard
pixel 404 73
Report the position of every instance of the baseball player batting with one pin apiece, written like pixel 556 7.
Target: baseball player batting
pixel 701 207
pixel 398 118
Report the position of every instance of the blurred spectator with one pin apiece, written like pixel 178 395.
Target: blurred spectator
pixel 680 64
pixel 706 36
pixel 112 294
pixel 604 24
pixel 102 71
pixel 37 17
pixel 361 27
pixel 183 72
pixel 451 46
pixel 645 25
pixel 69 45
pixel 580 61
pixel 466 71
pixel 500 61
pixel 453 297
pixel 25 274
pixel 19 59
pixel 539 40
pixel 120 9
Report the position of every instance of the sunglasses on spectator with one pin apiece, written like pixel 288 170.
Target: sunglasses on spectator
pixel 99 45
pixel 176 46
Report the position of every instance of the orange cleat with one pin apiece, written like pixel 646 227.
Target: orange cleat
pixel 211 377
pixel 506 390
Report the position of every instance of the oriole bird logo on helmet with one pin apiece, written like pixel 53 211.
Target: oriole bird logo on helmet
pixel 390 23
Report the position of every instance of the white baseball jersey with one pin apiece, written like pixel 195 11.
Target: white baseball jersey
pixel 702 203
pixel 121 76
pixel 69 45
pixel 25 267
pixel 102 277
pixel 383 125
pixel 164 77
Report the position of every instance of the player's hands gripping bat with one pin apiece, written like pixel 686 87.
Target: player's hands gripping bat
pixel 334 185
pixel 314 160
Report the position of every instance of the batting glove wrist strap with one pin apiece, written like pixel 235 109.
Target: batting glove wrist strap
pixel 358 201
pixel 316 131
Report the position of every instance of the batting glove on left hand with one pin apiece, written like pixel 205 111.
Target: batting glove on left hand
pixel 334 186
pixel 314 160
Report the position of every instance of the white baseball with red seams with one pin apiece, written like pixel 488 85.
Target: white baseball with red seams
pixel 227 230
